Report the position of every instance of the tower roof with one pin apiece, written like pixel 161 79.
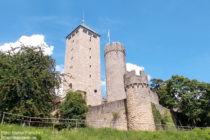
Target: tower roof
pixel 83 25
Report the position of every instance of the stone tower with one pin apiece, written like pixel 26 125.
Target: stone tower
pixel 115 70
pixel 82 64
pixel 139 108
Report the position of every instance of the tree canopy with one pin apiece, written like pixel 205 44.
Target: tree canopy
pixel 27 81
pixel 190 99
pixel 74 106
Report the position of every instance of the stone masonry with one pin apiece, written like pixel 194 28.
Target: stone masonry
pixel 82 64
pixel 103 115
pixel 115 69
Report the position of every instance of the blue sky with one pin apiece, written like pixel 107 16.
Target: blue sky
pixel 166 37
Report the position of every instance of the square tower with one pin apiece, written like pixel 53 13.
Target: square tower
pixel 82 64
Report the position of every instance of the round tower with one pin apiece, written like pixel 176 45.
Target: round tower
pixel 139 108
pixel 115 69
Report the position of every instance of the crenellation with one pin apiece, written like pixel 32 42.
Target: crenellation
pixel 114 47
pixel 136 85
pixel 144 77
pixel 131 78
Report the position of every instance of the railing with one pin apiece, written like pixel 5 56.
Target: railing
pixel 60 123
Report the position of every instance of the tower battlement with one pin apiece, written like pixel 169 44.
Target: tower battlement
pixel 115 46
pixel 131 79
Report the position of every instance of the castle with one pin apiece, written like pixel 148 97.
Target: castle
pixel 129 98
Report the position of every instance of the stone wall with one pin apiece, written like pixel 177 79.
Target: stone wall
pixel 161 109
pixel 153 97
pixel 103 115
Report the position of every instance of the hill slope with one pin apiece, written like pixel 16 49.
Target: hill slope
pixel 99 134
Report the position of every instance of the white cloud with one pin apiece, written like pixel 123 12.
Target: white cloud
pixel 149 77
pixel 30 41
pixel 59 68
pixel 137 69
pixel 103 83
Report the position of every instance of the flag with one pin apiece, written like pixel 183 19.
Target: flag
pixel 109 35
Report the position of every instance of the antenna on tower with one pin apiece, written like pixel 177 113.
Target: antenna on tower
pixel 109 36
pixel 83 18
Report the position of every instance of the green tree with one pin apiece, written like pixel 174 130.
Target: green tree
pixel 73 107
pixel 27 81
pixel 190 99
pixel 156 84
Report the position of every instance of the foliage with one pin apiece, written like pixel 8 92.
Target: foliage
pixel 115 115
pixel 109 134
pixel 27 81
pixel 74 107
pixel 157 117
pixel 189 98
pixel 156 84
pixel 167 121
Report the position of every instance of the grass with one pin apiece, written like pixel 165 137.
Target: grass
pixel 101 134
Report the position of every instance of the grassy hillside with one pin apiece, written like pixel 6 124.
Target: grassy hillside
pixel 101 134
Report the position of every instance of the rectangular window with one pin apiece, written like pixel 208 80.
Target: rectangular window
pixel 89 33
pixel 94 36
pixel 70 85
pixel 84 30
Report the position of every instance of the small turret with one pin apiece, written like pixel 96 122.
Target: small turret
pixel 139 109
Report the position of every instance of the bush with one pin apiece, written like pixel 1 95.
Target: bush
pixel 74 107
pixel 164 121
pixel 157 117
pixel 167 121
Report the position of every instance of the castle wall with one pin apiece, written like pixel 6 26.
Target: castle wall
pixel 153 97
pixel 102 115
pixel 115 70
